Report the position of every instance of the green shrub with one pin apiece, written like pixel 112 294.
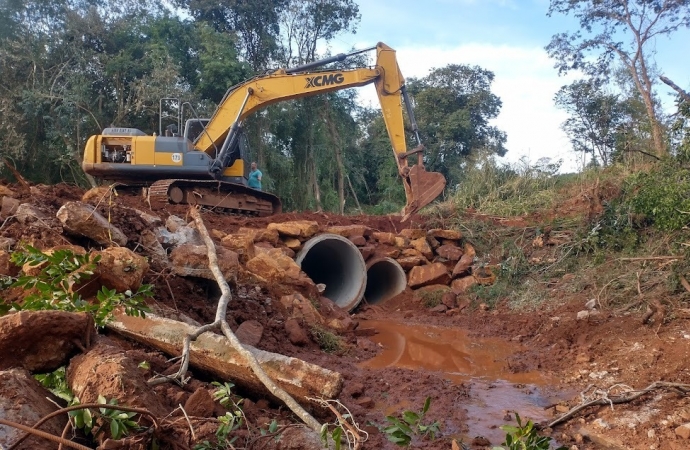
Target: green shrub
pixel 328 341
pixel 432 298
pixel 661 196
pixel 524 437
pixel 410 423
pixel 55 286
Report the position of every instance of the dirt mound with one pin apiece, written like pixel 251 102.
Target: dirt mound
pixel 572 348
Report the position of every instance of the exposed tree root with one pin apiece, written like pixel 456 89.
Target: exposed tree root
pixel 592 396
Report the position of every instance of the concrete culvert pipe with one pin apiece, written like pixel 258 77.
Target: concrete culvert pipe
pixel 385 280
pixel 336 262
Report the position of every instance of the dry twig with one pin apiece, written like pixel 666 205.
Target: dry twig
pixel 221 322
pixel 604 397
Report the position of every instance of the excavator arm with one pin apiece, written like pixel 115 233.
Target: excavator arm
pixel 218 138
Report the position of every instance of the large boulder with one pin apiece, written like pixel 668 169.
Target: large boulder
pixel 27 213
pixel 296 306
pixel 450 235
pixel 297 228
pixel 408 262
pixel 450 252
pixel 461 285
pixel 435 273
pixel 261 234
pixel 9 207
pixel 423 247
pixel 275 268
pixel 106 370
pixel 413 233
pixel 121 269
pixel 242 244
pixel 192 261
pixel 384 238
pixel 98 195
pixel 82 219
pixel 23 400
pixel 42 341
pixel 463 265
pixel 350 231
pixel 158 257
pixel 183 235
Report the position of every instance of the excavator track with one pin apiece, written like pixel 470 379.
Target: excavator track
pixel 220 195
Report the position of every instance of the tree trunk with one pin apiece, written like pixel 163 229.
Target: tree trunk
pixel 314 180
pixel 335 137
pixel 640 77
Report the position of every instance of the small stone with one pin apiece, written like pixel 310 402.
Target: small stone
pixel 651 434
pixel 200 404
pixel 583 315
pixel 591 304
pixel 359 241
pixel 295 332
pixel 483 307
pixel 366 345
pixel 683 431
pixel 250 332
pixel 355 389
pixel 562 409
pixel 363 332
pixel 448 299
pixel 439 309
pixel 365 402
pixel 450 235
pixel 481 441
pixel 582 358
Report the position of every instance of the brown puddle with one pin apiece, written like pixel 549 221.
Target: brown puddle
pixel 480 363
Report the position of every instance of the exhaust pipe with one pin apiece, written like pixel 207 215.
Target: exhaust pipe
pixel 336 262
pixel 385 280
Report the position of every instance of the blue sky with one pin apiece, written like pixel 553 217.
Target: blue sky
pixel 507 37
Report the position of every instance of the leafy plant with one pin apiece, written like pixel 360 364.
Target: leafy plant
pixel 272 428
pixel 433 298
pixel 228 423
pixel 661 195
pixel 223 394
pixel 328 341
pixel 56 286
pixel 56 382
pixel 524 437
pixel 336 434
pixel 119 422
pixel 409 424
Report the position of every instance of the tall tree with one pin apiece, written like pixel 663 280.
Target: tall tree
pixel 595 118
pixel 306 22
pixel 255 24
pixel 454 106
pixel 623 30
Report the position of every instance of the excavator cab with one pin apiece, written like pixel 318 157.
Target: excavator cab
pixel 194 127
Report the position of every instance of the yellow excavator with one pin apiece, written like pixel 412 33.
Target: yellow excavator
pixel 206 166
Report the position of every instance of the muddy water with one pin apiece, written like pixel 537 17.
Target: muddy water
pixel 479 363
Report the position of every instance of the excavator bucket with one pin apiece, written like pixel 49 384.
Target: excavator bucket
pixel 425 187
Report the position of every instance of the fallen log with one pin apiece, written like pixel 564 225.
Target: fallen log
pixel 213 353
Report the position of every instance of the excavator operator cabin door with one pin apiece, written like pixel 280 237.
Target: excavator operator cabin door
pixel 194 127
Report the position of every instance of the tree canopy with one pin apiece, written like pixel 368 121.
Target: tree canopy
pixel 69 68
pixel 623 31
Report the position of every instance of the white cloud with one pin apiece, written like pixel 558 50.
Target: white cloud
pixel 526 82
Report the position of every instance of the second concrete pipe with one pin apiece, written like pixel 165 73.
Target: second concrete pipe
pixel 336 262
